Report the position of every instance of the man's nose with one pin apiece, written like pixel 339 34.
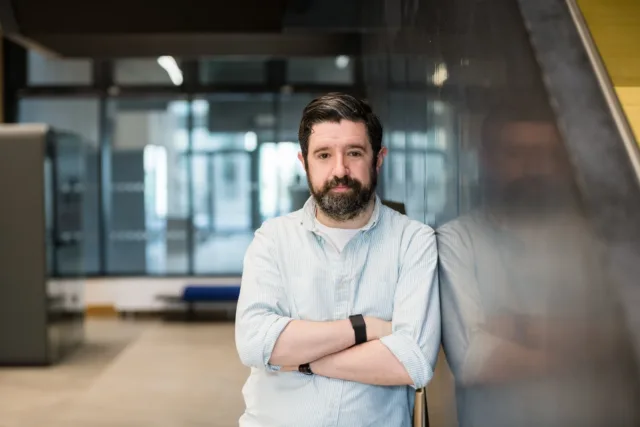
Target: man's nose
pixel 538 163
pixel 340 167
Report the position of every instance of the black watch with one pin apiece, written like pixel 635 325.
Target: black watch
pixel 359 328
pixel 305 369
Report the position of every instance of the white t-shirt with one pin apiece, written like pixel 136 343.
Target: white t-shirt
pixel 338 236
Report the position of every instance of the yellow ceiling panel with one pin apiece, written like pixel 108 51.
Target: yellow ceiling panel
pixel 615 27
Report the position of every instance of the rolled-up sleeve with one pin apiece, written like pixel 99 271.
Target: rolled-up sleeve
pixel 262 313
pixel 415 340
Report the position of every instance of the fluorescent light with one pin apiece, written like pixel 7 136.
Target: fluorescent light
pixel 440 75
pixel 200 107
pixel 171 67
pixel 342 61
pixel 250 141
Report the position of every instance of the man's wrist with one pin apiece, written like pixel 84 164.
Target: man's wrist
pixel 305 368
pixel 359 328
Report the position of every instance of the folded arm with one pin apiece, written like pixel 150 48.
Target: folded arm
pixel 266 335
pixel 369 363
pixel 407 356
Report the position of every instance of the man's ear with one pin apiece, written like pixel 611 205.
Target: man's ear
pixel 301 158
pixel 381 155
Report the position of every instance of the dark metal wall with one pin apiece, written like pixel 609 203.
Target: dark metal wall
pixel 534 300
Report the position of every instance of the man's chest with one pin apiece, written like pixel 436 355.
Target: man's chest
pixel 322 284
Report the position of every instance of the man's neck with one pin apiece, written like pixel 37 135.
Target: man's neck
pixel 358 222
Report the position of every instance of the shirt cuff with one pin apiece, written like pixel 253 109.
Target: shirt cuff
pixel 272 335
pixel 409 353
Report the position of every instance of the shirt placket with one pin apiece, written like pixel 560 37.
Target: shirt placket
pixel 341 306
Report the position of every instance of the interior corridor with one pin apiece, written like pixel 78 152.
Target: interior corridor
pixel 132 373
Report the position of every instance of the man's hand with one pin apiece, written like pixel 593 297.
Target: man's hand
pixel 377 328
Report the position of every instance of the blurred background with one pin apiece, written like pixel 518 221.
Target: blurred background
pixel 143 146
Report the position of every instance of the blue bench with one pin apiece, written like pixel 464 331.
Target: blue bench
pixel 192 294
pixel 210 293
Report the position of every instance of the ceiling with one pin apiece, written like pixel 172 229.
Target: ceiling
pixel 196 28
pixel 134 28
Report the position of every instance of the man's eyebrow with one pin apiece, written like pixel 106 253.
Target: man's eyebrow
pixel 321 148
pixel 351 146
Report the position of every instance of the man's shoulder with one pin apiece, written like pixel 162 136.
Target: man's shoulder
pixel 408 230
pixel 464 233
pixel 401 222
pixel 464 224
pixel 281 224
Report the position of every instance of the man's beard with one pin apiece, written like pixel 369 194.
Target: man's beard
pixel 345 205
pixel 536 196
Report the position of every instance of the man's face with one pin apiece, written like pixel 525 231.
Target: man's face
pixel 528 166
pixel 340 167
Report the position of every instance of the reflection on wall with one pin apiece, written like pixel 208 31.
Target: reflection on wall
pixel 532 327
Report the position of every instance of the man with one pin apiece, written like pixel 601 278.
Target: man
pixel 338 315
pixel 530 325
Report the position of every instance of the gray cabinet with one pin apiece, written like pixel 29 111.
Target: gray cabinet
pixel 41 244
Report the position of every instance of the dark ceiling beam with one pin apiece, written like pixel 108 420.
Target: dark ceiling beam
pixel 198 45
pixel 140 16
pixel 8 18
pixel 11 29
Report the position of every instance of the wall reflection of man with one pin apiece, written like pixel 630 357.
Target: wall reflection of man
pixel 530 325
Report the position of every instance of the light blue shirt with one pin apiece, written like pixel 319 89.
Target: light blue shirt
pixel 387 270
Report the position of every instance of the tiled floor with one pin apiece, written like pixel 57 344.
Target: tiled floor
pixel 132 374
pixel 149 373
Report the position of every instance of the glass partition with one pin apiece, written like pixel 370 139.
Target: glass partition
pixel 79 116
pixel 45 70
pixel 228 135
pixel 148 228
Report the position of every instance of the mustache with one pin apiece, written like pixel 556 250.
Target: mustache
pixel 345 181
pixel 539 193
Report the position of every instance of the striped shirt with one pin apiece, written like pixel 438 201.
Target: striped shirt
pixel 387 270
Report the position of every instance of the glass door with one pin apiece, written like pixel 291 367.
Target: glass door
pixel 223 208
pixel 228 130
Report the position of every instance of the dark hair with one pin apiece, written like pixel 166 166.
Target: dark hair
pixel 334 107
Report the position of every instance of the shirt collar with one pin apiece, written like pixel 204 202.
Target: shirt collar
pixel 308 217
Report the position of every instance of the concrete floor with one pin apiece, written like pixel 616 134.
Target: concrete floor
pixel 150 373
pixel 132 374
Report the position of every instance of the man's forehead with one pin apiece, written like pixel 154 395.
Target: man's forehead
pixel 341 133
pixel 528 133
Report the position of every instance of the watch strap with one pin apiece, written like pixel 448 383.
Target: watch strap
pixel 359 328
pixel 305 368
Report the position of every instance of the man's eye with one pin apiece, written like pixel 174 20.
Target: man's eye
pixel 323 156
pixel 355 153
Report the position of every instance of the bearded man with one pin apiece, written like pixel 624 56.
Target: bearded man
pixel 338 314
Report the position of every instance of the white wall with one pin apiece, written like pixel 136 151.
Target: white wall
pixel 139 294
